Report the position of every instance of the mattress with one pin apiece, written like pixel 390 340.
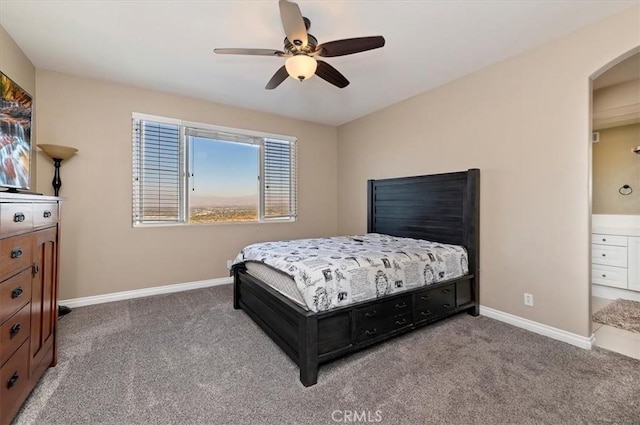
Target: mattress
pixel 338 271
pixel 277 280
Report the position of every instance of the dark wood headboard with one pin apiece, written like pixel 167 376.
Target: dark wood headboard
pixel 438 207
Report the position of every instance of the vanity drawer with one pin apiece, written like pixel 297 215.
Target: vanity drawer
pixel 14 332
pixel 614 240
pixel 607 255
pixel 14 294
pixel 14 383
pixel 609 276
pixel 15 254
pixel 15 217
pixel 45 214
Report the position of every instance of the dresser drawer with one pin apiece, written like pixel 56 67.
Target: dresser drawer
pixel 14 294
pixel 14 383
pixel 383 317
pixel 615 240
pixel 15 217
pixel 432 303
pixel 15 254
pixel 14 332
pixel 45 214
pixel 609 255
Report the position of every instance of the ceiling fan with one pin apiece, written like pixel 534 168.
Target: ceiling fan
pixel 302 48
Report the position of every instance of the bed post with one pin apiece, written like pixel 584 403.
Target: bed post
pixel 308 350
pixel 236 285
pixel 471 208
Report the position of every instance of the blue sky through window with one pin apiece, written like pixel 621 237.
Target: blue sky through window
pixel 223 170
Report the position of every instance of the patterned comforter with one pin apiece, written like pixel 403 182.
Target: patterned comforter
pixel 334 272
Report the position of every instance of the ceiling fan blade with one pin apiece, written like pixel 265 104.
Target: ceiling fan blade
pixel 277 78
pixel 293 23
pixel 331 75
pixel 350 45
pixel 253 52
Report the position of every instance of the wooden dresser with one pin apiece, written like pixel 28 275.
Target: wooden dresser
pixel 28 295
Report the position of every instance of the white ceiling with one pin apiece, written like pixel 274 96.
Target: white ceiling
pixel 168 45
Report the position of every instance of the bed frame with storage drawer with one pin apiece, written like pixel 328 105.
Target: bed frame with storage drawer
pixel 28 295
pixel 442 208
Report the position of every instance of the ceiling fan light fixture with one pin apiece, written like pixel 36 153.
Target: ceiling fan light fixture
pixel 301 67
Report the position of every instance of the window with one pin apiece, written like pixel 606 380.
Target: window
pixel 195 173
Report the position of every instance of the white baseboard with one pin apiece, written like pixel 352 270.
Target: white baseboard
pixel 611 293
pixel 146 292
pixel 540 328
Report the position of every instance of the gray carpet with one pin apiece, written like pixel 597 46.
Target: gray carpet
pixel 189 358
pixel 623 314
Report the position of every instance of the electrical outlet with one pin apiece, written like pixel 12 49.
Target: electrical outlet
pixel 229 264
pixel 528 299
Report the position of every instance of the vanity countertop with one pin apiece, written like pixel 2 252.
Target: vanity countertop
pixel 621 231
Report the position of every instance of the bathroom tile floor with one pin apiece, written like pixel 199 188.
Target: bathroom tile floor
pixel 611 338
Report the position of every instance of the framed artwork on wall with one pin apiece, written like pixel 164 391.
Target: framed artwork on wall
pixel 15 135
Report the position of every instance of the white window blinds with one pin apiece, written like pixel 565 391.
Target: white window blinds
pixel 157 188
pixel 280 179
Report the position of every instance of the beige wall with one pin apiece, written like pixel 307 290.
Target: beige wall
pixel 100 251
pixel 614 165
pixel 525 123
pixel 15 65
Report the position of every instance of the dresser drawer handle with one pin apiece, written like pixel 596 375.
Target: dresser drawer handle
pixel 425 297
pixel 446 291
pixel 401 305
pixel 604 275
pixel 18 217
pixel 371 313
pixel 425 313
pixel 14 330
pixel 16 253
pixel 446 305
pixel 604 255
pixel 604 239
pixel 371 332
pixel 16 292
pixel 401 322
pixel 12 381
pixel 47 214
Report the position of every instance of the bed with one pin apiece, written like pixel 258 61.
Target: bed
pixel 441 208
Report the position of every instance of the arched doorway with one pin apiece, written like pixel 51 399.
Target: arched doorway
pixel 615 204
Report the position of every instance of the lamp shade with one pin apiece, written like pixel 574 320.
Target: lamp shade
pixel 301 67
pixel 57 151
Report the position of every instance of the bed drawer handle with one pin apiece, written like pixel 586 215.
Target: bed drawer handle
pixel 12 381
pixel 446 305
pixel 46 214
pixel 446 291
pixel 16 292
pixel 401 305
pixel 372 313
pixel 425 313
pixel 371 332
pixel 14 330
pixel 18 217
pixel 425 297
pixel 401 322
